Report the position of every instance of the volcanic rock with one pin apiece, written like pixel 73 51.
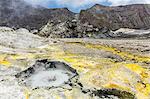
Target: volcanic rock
pixel 96 22
pixel 20 38
pixel 45 73
pixel 130 16
pixel 20 14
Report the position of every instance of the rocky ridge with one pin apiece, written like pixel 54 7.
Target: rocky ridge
pixel 20 14
pixel 20 38
pixel 103 22
pixel 135 16
pixel 96 22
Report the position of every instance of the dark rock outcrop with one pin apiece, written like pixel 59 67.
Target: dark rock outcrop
pixel 136 16
pixel 113 93
pixel 19 14
pixel 101 22
pixel 73 29
pixel 96 22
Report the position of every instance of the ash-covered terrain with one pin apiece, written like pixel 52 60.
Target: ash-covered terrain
pixel 72 68
pixel 100 53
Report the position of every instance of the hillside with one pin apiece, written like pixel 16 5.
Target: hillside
pixel 96 22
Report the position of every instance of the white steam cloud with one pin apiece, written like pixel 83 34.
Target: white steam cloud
pixel 78 4
pixel 44 3
pixel 125 2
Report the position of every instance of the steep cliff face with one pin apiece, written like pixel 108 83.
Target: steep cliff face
pixel 18 13
pixel 100 22
pixel 95 22
pixel 131 16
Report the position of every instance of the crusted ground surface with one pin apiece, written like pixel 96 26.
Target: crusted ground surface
pixel 107 69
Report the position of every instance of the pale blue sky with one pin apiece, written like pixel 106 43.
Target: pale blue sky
pixel 77 5
pixel 75 9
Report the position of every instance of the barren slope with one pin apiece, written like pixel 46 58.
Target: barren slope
pixel 106 69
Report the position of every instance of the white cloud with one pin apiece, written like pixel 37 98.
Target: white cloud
pixel 78 4
pixel 125 2
pixel 39 2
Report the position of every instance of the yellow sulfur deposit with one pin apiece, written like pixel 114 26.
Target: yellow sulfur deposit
pixel 100 66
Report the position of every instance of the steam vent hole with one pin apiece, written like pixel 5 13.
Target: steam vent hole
pixel 46 73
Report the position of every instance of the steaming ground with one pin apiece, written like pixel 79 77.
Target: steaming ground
pixel 107 69
pixel 48 78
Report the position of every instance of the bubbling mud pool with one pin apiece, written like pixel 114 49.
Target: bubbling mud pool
pixel 45 73
pixel 55 74
pixel 48 78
